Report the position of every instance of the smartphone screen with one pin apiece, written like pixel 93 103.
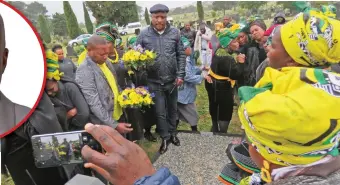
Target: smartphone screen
pixel 59 149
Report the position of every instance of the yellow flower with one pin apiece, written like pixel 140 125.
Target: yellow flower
pixel 143 57
pixel 235 27
pixel 130 72
pixel 150 54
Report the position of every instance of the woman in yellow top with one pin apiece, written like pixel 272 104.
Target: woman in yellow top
pixel 291 115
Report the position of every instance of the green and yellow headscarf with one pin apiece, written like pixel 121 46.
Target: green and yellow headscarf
pixel 53 72
pixel 131 41
pixel 291 116
pixel 185 41
pixel 226 35
pixel 329 10
pixel 106 36
pixel 312 39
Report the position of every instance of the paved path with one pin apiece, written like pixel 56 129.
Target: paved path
pixel 199 159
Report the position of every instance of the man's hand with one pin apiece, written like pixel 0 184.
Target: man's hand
pixel 241 58
pixel 71 113
pixel 179 82
pixel 208 79
pixel 123 163
pixel 124 128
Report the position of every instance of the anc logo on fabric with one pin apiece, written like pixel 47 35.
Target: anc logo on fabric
pixel 332 85
pixel 303 42
pixel 314 28
pixel 245 113
pixel 334 140
pixel 328 35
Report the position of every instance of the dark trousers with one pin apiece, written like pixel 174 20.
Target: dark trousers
pixel 149 118
pixel 165 107
pixel 221 100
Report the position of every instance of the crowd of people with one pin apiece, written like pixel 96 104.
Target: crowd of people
pixel 285 77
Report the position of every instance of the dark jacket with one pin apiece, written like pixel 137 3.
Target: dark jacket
pixel 190 35
pixel 17 148
pixel 70 97
pixel 251 64
pixel 68 68
pixel 170 60
pixel 225 65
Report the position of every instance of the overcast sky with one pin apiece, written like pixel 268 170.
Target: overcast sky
pixel 57 6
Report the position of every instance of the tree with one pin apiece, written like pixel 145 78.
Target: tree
pixel 44 32
pixel 223 5
pixel 147 16
pixel 121 12
pixel 71 20
pixel 59 24
pixel 200 10
pixel 213 14
pixel 88 22
pixel 21 6
pixel 31 11
pixel 34 10
pixel 253 6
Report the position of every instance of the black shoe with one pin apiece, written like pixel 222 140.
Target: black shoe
pixel 150 137
pixel 174 140
pixel 164 146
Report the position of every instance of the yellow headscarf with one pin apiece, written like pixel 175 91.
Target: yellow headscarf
pixel 291 116
pixel 312 39
pixel 52 66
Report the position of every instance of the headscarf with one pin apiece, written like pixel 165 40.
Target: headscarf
pixel 302 6
pixel 52 66
pixel 226 35
pixel 112 30
pixel 106 36
pixel 329 10
pixel 108 27
pixel 185 42
pixel 303 126
pixel 312 39
pixel 131 41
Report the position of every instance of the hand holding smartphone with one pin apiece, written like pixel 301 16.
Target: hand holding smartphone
pixel 52 150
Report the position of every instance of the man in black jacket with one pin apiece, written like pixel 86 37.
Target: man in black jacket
pixel 166 74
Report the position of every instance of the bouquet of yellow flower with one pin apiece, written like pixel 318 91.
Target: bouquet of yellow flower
pixel 138 58
pixel 135 98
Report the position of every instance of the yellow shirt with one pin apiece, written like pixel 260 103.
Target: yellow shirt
pixel 117 110
pixel 82 57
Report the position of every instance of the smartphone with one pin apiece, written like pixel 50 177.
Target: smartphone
pixel 57 149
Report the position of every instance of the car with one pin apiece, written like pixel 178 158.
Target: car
pixel 122 31
pixel 78 40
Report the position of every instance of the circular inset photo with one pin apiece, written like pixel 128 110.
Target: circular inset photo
pixel 22 69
